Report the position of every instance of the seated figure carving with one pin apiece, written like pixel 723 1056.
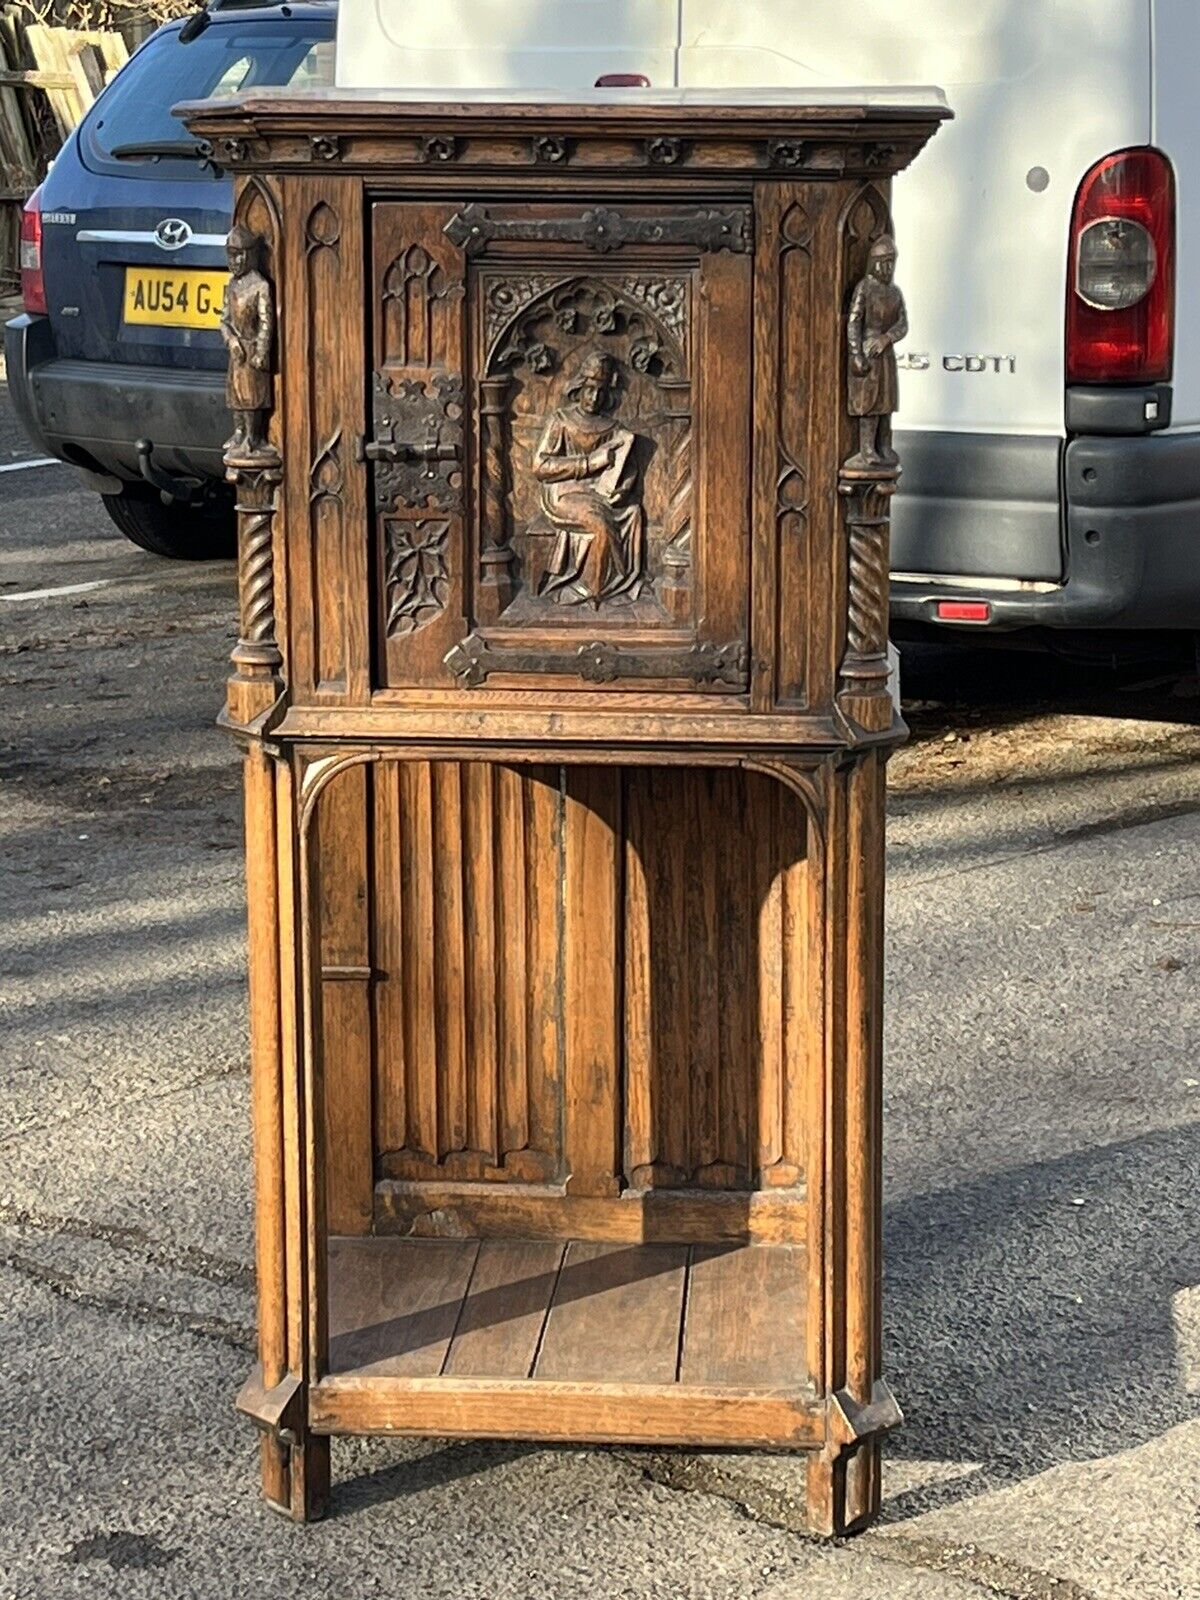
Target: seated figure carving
pixel 588 465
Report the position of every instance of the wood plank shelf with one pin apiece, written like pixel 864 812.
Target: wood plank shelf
pixel 575 1309
pixel 615 1341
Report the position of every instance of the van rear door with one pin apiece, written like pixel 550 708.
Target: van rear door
pixel 1039 92
pixel 504 44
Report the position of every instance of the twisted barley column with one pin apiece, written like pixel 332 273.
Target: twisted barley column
pixel 677 550
pixel 256 654
pixel 863 678
pixel 866 626
pixel 679 502
pixel 496 553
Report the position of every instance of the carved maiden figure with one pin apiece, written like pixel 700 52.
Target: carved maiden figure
pixel 247 327
pixel 588 466
pixel 878 321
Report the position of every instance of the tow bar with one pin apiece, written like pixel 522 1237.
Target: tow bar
pixel 167 484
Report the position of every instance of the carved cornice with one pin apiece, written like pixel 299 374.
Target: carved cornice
pixel 255 145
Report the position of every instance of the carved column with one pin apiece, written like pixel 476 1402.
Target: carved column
pixel 253 466
pixel 677 552
pixel 497 558
pixel 876 323
pixel 863 693
pixel 257 680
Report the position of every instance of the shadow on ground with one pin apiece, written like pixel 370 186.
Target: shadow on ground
pixel 1028 1315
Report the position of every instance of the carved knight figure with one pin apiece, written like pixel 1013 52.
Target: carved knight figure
pixel 878 321
pixel 247 327
pixel 589 469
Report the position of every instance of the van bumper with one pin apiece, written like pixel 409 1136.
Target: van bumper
pixel 92 413
pixel 1127 513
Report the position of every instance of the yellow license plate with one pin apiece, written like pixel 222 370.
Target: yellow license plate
pixel 162 299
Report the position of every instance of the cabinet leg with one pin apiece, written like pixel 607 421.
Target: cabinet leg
pixel 843 1488
pixel 273 1464
pixel 309 1478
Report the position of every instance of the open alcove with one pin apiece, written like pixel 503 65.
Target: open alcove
pixel 571 1035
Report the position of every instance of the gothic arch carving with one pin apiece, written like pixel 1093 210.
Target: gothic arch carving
pixel 652 309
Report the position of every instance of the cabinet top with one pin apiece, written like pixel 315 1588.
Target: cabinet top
pixel 824 131
pixel 850 101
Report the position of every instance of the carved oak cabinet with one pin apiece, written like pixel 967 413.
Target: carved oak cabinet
pixel 563 690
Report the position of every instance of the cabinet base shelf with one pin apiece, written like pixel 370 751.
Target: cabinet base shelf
pixel 568 1340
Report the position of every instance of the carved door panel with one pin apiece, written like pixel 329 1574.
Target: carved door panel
pixel 417 444
pixel 562 444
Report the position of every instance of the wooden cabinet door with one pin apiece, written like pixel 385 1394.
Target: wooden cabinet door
pixel 562 444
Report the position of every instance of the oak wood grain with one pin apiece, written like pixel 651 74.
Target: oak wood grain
pixel 505 1309
pixel 746 1316
pixel 616 1315
pixel 394 1304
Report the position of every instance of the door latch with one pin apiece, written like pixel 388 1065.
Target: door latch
pixel 418 444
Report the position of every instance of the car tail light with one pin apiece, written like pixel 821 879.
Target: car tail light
pixel 33 284
pixel 1121 290
pixel 963 611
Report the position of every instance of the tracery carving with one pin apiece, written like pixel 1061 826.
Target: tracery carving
pixel 322 230
pixel 325 472
pixel 665 298
pixel 415 289
pixel 506 297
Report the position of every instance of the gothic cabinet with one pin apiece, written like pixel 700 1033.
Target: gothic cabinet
pixel 562 455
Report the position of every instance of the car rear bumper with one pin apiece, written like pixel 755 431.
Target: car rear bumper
pixel 1125 511
pixel 92 413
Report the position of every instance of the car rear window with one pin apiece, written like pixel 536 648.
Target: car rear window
pixel 226 59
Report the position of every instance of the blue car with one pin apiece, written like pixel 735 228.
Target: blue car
pixel 117 364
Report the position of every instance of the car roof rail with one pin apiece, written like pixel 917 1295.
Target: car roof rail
pixel 256 5
pixel 195 24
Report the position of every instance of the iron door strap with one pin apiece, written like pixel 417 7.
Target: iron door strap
pixel 418 445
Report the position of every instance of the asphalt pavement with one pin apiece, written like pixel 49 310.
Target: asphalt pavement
pixel 1043 1092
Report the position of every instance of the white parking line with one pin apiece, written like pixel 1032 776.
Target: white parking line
pixel 24 466
pixel 48 594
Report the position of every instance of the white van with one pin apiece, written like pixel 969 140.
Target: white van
pixel 1050 412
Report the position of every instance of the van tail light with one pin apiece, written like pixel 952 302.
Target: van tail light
pixel 33 283
pixel 1121 279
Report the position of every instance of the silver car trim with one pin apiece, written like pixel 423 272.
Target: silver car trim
pixel 137 236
